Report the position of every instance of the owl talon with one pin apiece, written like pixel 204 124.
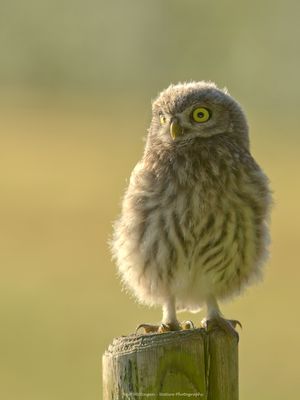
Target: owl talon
pixel 235 323
pixel 187 325
pixel 148 328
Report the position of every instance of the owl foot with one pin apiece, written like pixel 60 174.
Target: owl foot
pixel 165 327
pixel 162 328
pixel 226 325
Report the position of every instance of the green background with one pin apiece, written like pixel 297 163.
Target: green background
pixel 76 83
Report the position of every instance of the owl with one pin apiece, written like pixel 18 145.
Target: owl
pixel 193 229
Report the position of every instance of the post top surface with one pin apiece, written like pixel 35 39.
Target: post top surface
pixel 128 344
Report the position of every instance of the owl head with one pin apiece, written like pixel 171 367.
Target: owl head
pixel 192 111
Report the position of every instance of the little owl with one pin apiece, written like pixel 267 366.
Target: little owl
pixel 193 227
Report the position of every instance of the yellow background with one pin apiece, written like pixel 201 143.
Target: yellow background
pixel 76 81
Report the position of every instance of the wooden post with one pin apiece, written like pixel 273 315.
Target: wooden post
pixel 194 364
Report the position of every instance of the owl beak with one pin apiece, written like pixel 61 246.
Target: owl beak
pixel 175 129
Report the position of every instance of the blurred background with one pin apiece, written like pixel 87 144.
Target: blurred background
pixel 76 83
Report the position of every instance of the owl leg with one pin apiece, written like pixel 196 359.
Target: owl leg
pixel 169 320
pixel 215 318
pixel 169 314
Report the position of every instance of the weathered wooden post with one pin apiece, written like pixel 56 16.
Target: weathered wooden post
pixel 194 363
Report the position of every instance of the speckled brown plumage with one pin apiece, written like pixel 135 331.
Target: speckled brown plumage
pixel 193 227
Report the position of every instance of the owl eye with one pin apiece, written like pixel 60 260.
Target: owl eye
pixel 201 114
pixel 162 119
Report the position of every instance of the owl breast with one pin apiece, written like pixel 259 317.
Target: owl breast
pixel 201 231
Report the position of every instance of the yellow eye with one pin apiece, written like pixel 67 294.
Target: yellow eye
pixel 201 114
pixel 162 119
